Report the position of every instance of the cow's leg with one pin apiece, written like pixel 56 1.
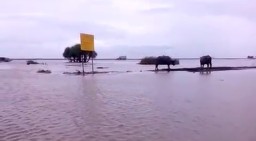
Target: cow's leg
pixel 156 67
pixel 169 66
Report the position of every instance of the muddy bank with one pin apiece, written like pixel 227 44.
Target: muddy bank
pixel 198 69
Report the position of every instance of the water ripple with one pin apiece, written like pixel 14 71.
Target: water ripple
pixel 128 107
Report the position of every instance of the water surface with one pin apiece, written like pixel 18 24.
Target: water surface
pixel 136 106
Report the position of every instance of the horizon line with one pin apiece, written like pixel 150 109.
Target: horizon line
pixel 181 58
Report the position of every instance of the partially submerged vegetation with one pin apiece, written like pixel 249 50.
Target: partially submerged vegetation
pixel 4 59
pixel 148 61
pixel 250 57
pixel 31 62
pixel 44 71
pixel 75 54
pixel 102 67
pixel 122 58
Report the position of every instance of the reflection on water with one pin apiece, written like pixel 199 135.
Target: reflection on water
pixel 205 72
pixel 128 106
pixel 58 67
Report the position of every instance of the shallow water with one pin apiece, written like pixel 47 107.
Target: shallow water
pixel 136 106
pixel 58 67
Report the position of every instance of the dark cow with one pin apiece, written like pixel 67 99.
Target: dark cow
pixel 206 60
pixel 166 60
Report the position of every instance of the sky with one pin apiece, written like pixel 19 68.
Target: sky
pixel 135 28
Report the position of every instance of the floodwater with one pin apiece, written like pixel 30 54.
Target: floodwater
pixel 134 106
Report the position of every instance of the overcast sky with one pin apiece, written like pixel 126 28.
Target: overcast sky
pixel 136 28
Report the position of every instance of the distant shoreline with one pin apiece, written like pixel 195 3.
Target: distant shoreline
pixel 116 59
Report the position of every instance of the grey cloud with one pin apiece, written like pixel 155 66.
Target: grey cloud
pixel 48 33
pixel 183 28
pixel 45 23
pixel 240 8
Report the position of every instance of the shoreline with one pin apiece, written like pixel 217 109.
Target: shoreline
pixel 199 69
pixel 114 59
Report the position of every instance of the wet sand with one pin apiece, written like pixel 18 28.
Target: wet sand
pixel 163 106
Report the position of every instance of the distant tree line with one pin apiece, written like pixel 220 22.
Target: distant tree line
pixel 75 54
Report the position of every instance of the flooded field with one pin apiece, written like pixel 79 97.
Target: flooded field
pixel 135 106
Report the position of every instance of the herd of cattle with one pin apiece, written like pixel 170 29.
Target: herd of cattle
pixel 166 60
